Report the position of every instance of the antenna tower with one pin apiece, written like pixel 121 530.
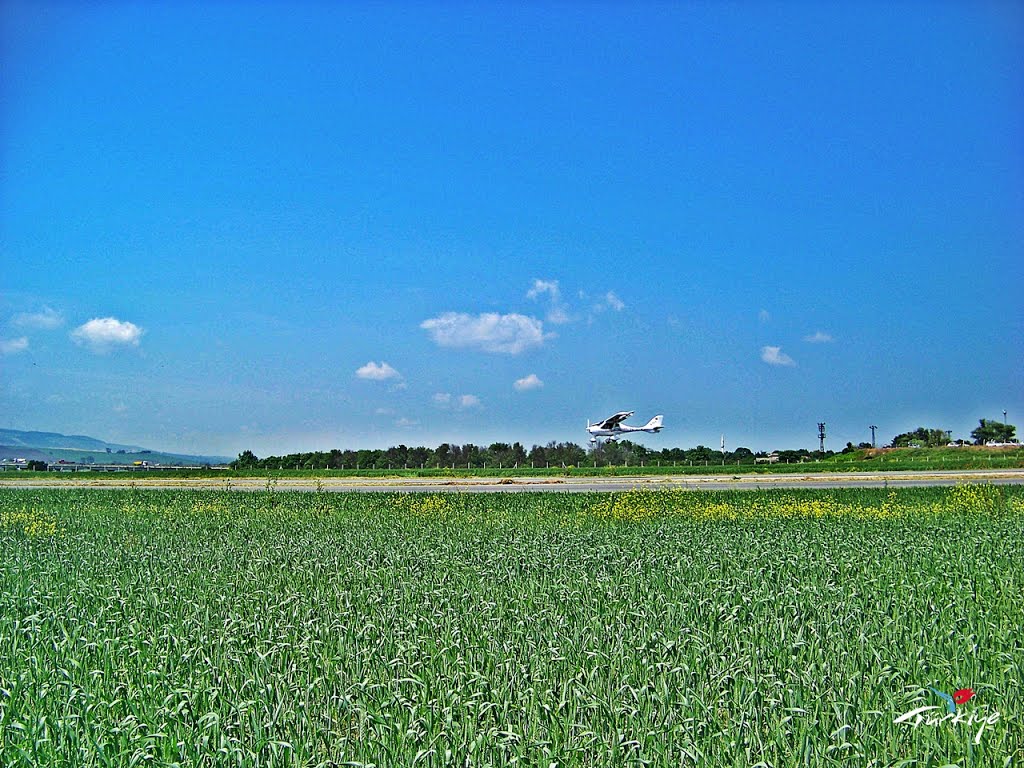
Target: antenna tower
pixel 821 436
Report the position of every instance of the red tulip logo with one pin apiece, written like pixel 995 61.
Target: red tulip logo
pixel 963 695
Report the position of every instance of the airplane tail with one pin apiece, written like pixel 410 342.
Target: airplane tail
pixel 654 425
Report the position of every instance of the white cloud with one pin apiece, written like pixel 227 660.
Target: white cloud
pixel 764 316
pixel 775 356
pixel 610 301
pixel 460 403
pixel 819 337
pixel 541 287
pixel 102 333
pixel 528 382
pixel 377 372
pixel 13 346
pixel 469 401
pixel 557 312
pixel 490 332
pixel 614 301
pixel 46 320
pixel 404 422
pixel 558 315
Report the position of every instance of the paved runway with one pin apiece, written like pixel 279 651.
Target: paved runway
pixel 536 484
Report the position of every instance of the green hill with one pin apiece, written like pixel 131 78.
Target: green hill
pixel 54 447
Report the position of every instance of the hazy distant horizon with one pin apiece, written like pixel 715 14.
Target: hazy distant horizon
pixel 527 444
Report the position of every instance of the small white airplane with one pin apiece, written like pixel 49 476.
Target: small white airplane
pixel 612 428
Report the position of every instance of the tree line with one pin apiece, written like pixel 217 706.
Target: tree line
pixel 554 454
pixel 505 455
pixel 987 431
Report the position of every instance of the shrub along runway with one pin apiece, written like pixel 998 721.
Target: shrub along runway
pixel 582 484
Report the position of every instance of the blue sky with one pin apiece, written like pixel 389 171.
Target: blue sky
pixel 298 226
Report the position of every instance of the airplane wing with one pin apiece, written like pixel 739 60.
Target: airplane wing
pixel 613 421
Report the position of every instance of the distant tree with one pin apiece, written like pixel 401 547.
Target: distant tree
pixel 993 431
pixel 557 455
pixel 926 438
pixel 396 456
pixel 538 455
pixel 851 448
pixel 672 456
pixel 743 455
pixel 609 452
pixel 794 456
pixel 518 454
pixel 702 454
pixel 570 454
pixel 418 456
pixel 443 454
pixel 245 460
pixel 36 466
pixel 637 451
pixel 472 455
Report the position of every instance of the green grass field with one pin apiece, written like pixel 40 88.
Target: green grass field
pixel 663 628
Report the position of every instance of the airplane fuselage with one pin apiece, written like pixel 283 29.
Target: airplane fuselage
pixel 613 428
pixel 598 432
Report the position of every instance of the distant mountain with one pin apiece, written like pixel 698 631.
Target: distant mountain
pixel 14 437
pixel 54 447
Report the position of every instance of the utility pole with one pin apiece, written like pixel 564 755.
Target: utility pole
pixel 821 436
pixel 873 428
